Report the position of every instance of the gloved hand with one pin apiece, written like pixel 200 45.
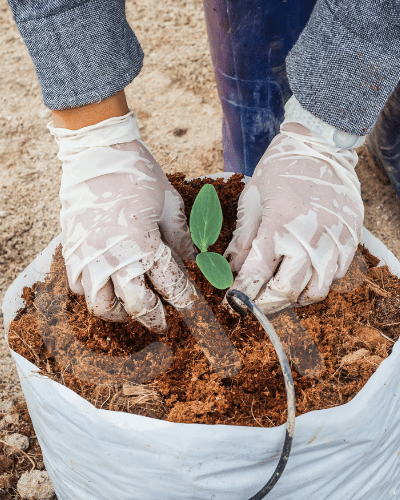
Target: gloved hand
pixel 120 218
pixel 300 217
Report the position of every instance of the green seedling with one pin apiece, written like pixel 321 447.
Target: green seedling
pixel 205 226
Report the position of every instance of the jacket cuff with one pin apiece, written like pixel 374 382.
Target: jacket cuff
pixel 346 62
pixel 84 54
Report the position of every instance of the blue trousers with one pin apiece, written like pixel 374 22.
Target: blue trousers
pixel 249 41
pixel 384 141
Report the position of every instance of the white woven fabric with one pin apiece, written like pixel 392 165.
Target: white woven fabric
pixel 350 452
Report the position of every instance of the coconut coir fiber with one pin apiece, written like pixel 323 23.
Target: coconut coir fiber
pixel 91 356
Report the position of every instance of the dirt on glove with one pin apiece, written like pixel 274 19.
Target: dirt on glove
pixel 354 332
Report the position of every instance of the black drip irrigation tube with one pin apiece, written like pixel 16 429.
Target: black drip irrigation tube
pixel 287 374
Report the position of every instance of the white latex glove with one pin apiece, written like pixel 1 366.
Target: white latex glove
pixel 120 218
pixel 300 217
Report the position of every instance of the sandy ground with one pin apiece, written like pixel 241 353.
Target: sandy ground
pixel 175 92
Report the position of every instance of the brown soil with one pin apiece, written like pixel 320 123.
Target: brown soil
pixel 346 327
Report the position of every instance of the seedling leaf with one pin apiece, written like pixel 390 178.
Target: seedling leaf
pixel 216 269
pixel 206 218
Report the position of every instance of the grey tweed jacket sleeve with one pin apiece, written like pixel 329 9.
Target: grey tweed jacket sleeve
pixel 346 62
pixel 83 50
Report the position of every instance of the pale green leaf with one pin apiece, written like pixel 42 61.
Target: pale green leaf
pixel 206 218
pixel 216 269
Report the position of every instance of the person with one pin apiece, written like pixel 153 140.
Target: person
pixel 300 216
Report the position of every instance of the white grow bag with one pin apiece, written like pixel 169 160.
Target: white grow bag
pixel 350 452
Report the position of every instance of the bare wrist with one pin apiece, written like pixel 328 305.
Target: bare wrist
pixel 90 114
